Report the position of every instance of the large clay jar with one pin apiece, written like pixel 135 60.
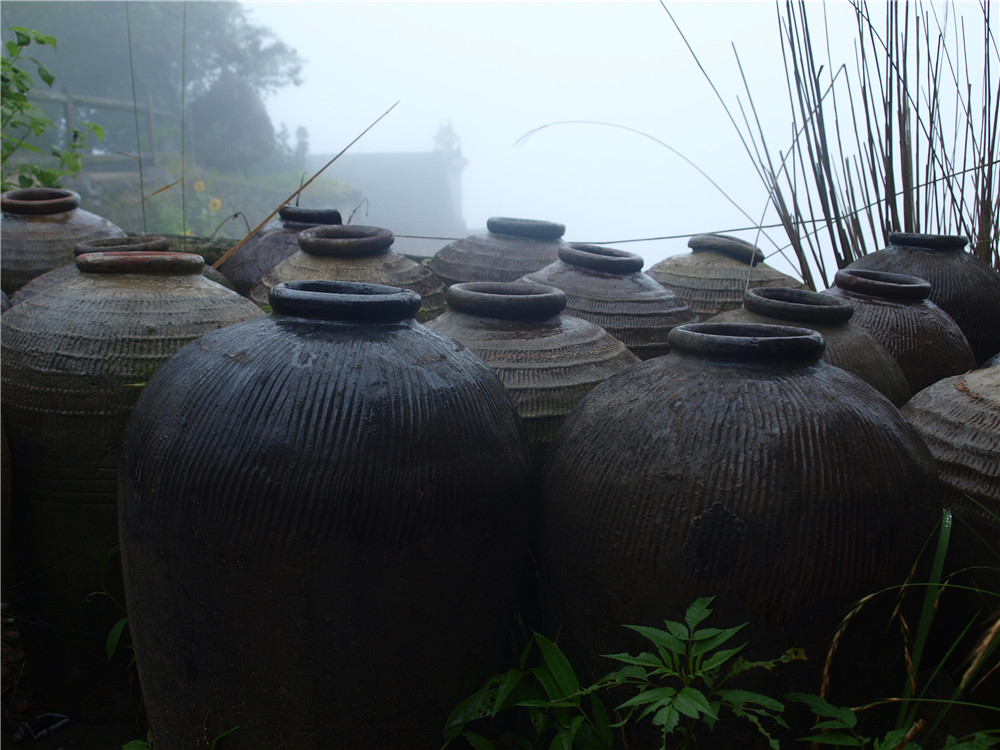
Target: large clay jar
pixel 896 309
pixel 75 359
pixel 714 276
pixel 848 346
pixel 739 466
pixel 40 228
pixel 548 361
pixel 129 243
pixel 508 250
pixel 272 244
pixel 358 254
pixel 962 285
pixel 607 287
pixel 323 521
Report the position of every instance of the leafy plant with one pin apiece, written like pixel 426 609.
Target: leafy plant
pixel 22 122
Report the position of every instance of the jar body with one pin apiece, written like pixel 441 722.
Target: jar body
pixel 343 479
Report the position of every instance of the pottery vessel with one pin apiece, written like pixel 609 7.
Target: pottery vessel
pixel 714 275
pixel 355 484
pixel 607 286
pixel 357 254
pixel 962 285
pixel 40 228
pixel 896 309
pixel 75 359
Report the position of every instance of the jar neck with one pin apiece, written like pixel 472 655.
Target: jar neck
pixel 748 343
pixel 309 216
pixel 883 284
pixel 534 229
pixel 937 243
pixel 516 300
pixel 345 240
pixel 798 306
pixel 597 258
pixel 732 247
pixel 141 262
pixel 131 243
pixel 344 301
pixel 39 201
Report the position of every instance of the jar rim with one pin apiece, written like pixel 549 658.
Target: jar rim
pixel 39 201
pixel 345 240
pixel 748 342
pixel 518 300
pixel 140 262
pixel 349 301
pixel 883 284
pixel 600 258
pixel 798 305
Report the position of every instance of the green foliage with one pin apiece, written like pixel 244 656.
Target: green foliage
pixel 23 123
pixel 146 744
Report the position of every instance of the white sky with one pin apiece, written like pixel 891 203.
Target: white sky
pixel 498 70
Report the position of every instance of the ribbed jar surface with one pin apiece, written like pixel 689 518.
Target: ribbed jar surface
pixel 355 485
pixel 607 286
pixel 714 275
pixel 75 358
pixel 548 361
pixel 40 228
pixel 848 346
pixel 509 249
pixel 739 466
pixel 357 254
pixel 962 285
pixel 272 244
pixel 896 310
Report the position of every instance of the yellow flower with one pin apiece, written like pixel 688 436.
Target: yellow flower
pixel 199 186
pixel 215 204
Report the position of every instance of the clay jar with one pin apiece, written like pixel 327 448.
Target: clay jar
pixel 848 346
pixel 357 254
pixel 548 361
pixel 40 228
pixel 896 309
pixel 508 250
pixel 75 359
pixel 272 244
pixel 713 277
pixel 739 466
pixel 607 286
pixel 323 522
pixel 962 285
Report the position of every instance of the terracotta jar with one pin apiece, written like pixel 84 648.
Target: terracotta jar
pixel 321 510
pixel 508 250
pixel 716 273
pixel 129 243
pixel 607 286
pixel 272 244
pixel 848 346
pixel 739 466
pixel 75 359
pixel 896 309
pixel 547 360
pixel 358 254
pixel 962 285
pixel 40 228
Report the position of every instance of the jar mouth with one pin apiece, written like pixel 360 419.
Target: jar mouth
pixel 884 284
pixel 798 305
pixel 536 229
pixel 344 301
pixel 946 243
pixel 748 342
pixel 131 243
pixel 599 258
pixel 39 201
pixel 514 300
pixel 140 262
pixel 345 240
pixel 731 246
pixel 310 216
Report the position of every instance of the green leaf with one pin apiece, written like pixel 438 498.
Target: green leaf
pixel 114 636
pixel 507 684
pixel 720 657
pixel 22 35
pixel 221 736
pixel 693 703
pixel 137 745
pixel 821 707
pixel 479 742
pixel 660 637
pixel 645 659
pixel 559 666
pixel 668 718
pixel 840 740
pixel 601 720
pixel 698 611
pixel 741 698
pixel 654 695
pixel 45 74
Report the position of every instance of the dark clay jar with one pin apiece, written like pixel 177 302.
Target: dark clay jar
pixel 357 254
pixel 548 361
pixel 129 243
pixel 848 346
pixel 607 287
pixel 508 250
pixel 962 285
pixel 739 466
pixel 75 359
pixel 714 275
pixel 323 519
pixel 272 244
pixel 40 228
pixel 896 309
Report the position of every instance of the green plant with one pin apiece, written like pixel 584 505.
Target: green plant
pixel 23 123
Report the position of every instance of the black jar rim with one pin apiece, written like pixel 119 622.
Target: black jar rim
pixel 309 216
pixel 39 201
pixel 942 243
pixel 884 284
pixel 130 243
pixel 140 262
pixel 513 300
pixel 798 305
pixel 748 342
pixel 536 229
pixel 733 247
pixel 349 301
pixel 345 240
pixel 599 258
